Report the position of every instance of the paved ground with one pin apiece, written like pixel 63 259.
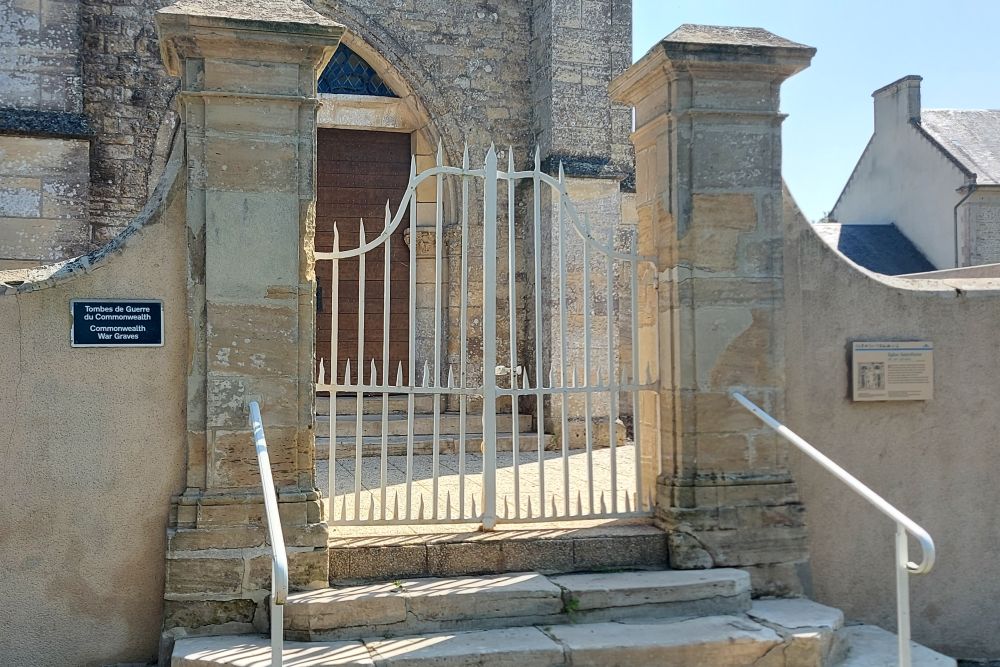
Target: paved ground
pixel 518 487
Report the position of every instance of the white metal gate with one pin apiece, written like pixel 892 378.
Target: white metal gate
pixel 408 488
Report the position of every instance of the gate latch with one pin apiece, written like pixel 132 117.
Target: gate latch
pixel 505 370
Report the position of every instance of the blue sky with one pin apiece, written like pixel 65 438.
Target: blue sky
pixel 861 46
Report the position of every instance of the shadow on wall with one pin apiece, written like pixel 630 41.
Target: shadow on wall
pixel 932 459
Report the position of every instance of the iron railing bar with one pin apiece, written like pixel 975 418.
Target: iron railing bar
pixel 904 524
pixel 279 558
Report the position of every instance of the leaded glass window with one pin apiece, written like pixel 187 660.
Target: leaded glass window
pixel 348 74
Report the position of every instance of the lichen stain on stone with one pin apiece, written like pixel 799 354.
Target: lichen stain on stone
pixel 222 355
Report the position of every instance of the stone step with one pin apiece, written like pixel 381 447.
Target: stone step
pixel 373 554
pixel 412 606
pixel 775 633
pixel 371 405
pixel 871 646
pixel 448 423
pixel 396 445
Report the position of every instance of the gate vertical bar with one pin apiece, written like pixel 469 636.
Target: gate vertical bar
pixel 438 317
pixel 331 457
pixel 359 420
pixel 515 441
pixel 564 338
pixel 490 341
pixel 609 303
pixel 410 406
pixel 539 378
pixel 587 340
pixel 386 316
pixel 463 400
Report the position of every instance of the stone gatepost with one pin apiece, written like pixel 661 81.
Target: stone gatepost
pixel 248 106
pixel 709 193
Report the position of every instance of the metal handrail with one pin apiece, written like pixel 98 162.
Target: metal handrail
pixel 279 558
pixel 904 524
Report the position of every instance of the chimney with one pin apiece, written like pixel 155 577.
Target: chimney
pixel 898 103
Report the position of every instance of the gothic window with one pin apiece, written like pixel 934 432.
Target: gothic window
pixel 349 74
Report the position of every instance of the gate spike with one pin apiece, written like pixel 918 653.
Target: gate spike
pixel 525 383
pixel 371 507
pixel 628 504
pixel 420 512
pixel 604 506
pixel 343 507
pixel 538 158
pixel 506 508
pixel 573 377
pixel 635 499
pixel 399 374
pixel 551 378
pixel 373 376
pixel 562 173
pixel 413 167
pixel 347 374
pixel 555 510
pixel 649 374
pixel 447 505
pixel 361 232
pixel 652 503
pixel 440 154
pixel 395 506
pixel 474 513
pixel 579 504
pixel 451 376
pixel 465 156
pixel 336 238
pixel 510 159
pixel 624 377
pixel 427 379
pixel 322 372
pixel 529 507
pixel 600 376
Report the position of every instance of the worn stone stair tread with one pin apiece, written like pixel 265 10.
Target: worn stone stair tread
pixel 871 646
pixel 624 589
pixel 521 646
pixel 796 614
pixel 719 641
pixel 424 604
pixel 245 650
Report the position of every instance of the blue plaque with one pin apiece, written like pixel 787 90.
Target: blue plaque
pixel 116 323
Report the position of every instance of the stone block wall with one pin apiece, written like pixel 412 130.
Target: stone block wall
pixel 43 199
pixel 128 101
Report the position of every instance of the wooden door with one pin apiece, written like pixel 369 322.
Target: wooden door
pixel 357 172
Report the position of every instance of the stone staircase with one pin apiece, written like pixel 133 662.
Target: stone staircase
pixel 423 428
pixel 631 618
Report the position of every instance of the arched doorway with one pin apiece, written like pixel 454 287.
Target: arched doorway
pixel 367 134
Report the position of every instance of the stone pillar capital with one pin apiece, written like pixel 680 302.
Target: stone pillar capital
pixel 749 62
pixel 262 31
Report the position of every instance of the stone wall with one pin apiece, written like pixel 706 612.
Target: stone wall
pixel 93 445
pixel 44 192
pixel 128 99
pixel 935 460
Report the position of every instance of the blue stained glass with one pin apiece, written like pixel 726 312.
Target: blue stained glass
pixel 348 74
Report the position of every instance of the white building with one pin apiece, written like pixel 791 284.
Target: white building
pixel 934 175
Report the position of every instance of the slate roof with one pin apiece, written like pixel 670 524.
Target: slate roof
pixel 879 248
pixel 972 137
